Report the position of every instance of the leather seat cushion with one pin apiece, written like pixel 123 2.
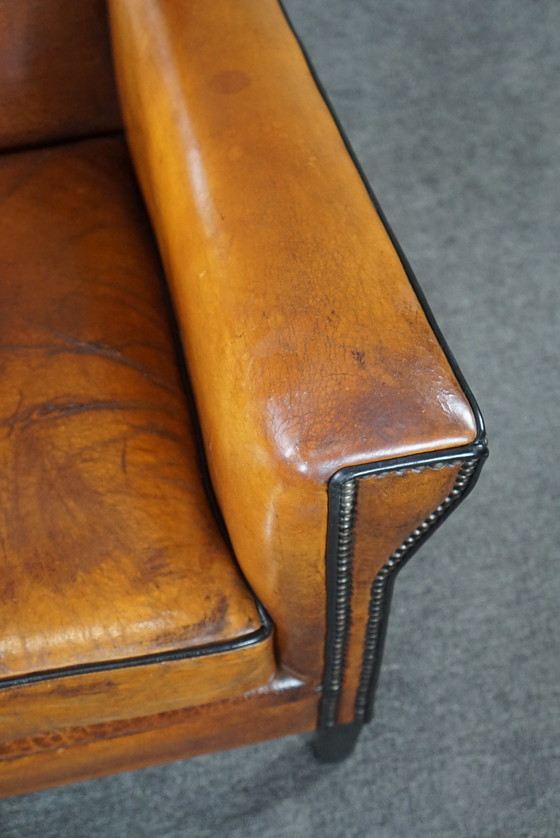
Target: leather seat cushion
pixel 115 581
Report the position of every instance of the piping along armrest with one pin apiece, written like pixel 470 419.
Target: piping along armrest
pixel 308 348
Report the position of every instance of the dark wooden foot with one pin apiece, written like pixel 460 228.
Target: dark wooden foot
pixel 333 744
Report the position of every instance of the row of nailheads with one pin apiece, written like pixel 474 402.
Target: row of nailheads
pixel 379 587
pixel 342 605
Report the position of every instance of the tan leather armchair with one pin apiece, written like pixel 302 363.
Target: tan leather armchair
pixel 213 465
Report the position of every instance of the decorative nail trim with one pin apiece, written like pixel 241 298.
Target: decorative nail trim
pixel 339 576
pixel 378 610
pixel 342 604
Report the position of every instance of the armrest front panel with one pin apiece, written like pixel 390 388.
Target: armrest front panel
pixel 307 347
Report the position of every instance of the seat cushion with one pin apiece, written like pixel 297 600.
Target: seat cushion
pixel 116 584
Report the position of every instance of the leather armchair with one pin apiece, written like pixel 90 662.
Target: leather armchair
pixel 226 422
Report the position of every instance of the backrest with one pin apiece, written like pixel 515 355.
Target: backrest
pixel 56 75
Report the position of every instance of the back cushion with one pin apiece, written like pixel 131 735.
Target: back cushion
pixel 56 75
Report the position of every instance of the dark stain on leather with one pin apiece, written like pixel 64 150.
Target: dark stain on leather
pixel 359 357
pixel 59 521
pixel 211 626
pixel 64 688
pixel 153 569
pixel 109 353
pixel 229 81
pixel 64 406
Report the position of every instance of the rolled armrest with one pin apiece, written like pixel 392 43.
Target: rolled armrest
pixel 308 349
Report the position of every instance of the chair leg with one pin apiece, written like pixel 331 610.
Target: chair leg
pixel 334 744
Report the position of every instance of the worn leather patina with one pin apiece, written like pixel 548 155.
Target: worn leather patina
pixel 110 551
pixel 307 346
pixel 211 466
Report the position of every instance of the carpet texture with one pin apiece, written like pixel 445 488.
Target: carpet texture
pixel 453 109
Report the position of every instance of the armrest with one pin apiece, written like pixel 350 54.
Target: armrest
pixel 308 349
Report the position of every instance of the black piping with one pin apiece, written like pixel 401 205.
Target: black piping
pixel 252 639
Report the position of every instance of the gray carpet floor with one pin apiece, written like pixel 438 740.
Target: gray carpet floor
pixel 453 109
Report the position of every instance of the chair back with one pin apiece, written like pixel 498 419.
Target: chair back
pixel 56 74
